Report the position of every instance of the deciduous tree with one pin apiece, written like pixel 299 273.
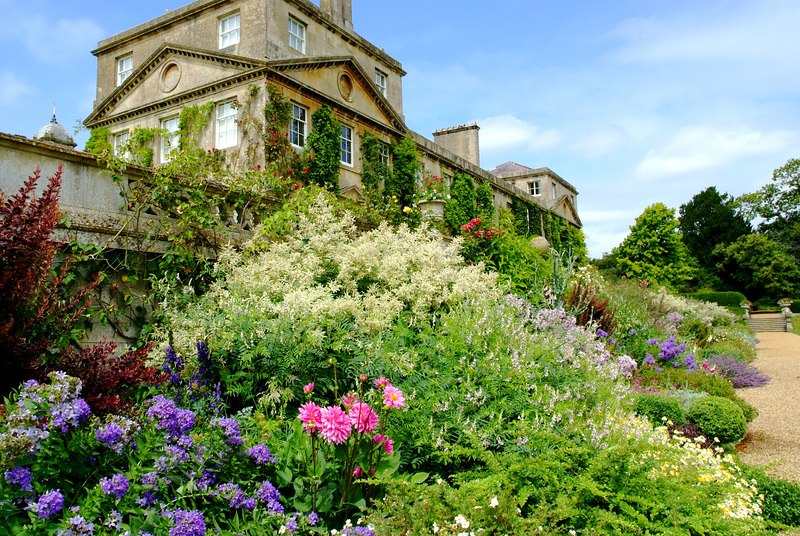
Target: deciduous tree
pixel 653 251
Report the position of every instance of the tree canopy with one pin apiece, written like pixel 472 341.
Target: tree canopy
pixel 778 204
pixel 653 251
pixel 709 219
pixel 758 267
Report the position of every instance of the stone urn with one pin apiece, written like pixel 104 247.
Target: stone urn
pixel 432 209
pixel 785 305
pixel 746 306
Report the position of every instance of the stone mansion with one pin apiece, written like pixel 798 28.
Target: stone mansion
pixel 213 50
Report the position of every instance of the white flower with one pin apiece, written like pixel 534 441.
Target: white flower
pixel 494 503
pixel 462 521
pixel 435 527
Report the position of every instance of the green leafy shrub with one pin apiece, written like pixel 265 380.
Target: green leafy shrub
pixel 781 498
pixel 725 299
pixel 656 407
pixel 719 417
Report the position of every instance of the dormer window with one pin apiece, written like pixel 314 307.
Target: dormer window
pixel 535 188
pixel 124 68
pixel 229 30
pixel 380 81
pixel 297 35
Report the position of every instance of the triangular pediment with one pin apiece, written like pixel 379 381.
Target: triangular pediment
pixel 341 80
pixel 171 71
pixel 566 209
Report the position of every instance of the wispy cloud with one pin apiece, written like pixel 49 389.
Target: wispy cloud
pixel 12 88
pixel 53 41
pixel 703 147
pixel 508 132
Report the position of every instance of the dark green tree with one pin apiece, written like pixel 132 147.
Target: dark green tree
pixel 709 219
pixel 758 267
pixel 324 143
pixel 778 204
pixel 654 251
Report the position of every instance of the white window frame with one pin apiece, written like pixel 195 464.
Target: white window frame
pixel 124 68
pixel 535 188
pixel 227 126
pixel 120 144
pixel 229 30
pixel 169 141
pixel 385 154
pixel 346 145
pixel 381 81
pixel 297 35
pixel 298 126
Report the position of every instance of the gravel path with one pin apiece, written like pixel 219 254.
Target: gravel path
pixel 774 437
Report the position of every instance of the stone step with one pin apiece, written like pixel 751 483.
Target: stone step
pixel 767 324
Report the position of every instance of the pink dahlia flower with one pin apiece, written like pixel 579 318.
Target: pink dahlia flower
pixel 381 382
pixel 362 418
pixel 388 446
pixel 349 399
pixel 335 427
pixel 310 416
pixel 308 388
pixel 393 397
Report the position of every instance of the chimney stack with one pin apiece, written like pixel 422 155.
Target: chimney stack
pixel 340 10
pixel 461 140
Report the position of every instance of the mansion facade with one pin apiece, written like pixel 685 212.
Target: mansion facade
pixel 213 51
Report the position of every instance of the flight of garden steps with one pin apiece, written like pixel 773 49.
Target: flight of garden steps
pixel 767 322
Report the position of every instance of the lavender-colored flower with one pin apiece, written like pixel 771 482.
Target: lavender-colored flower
pixel 649 360
pixel 740 373
pixel 313 518
pixel 187 523
pixel 231 492
pixel 114 520
pixel 174 420
pixel 260 454
pixel 601 334
pixel 21 476
pixel 78 526
pixel 231 429
pixel 271 496
pixel 291 523
pixel 48 504
pixel 111 434
pixel 117 485
pixel 173 366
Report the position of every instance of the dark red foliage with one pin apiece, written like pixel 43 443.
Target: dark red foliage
pixel 39 310
pixel 590 307
pixel 36 310
pixel 107 379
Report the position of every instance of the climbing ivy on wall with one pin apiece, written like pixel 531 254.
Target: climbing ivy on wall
pixel 460 208
pixel 324 145
pixel 484 201
pixel 403 179
pixel 375 173
pixel 98 141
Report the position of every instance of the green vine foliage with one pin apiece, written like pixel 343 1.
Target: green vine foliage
pixel 484 200
pixel 98 141
pixel 403 180
pixel 324 144
pixel 278 115
pixel 460 208
pixel 375 173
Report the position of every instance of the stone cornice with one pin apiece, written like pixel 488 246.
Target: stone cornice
pixel 191 10
pixel 531 173
pixel 99 116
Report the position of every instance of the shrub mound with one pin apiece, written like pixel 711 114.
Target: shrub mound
pixel 719 417
pixel 656 407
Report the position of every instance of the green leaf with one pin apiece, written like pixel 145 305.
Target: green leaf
pixel 419 478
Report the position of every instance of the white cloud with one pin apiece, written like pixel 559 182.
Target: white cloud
pixel 599 141
pixel 12 88
pixel 706 147
pixel 508 132
pixel 761 31
pixel 54 41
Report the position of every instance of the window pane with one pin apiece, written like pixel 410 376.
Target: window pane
pixel 297 127
pixel 170 140
pixel 226 125
pixel 347 145
pixel 229 31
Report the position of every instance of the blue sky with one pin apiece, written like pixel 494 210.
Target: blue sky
pixel 632 102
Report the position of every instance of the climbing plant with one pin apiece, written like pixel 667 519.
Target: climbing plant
pixel 403 179
pixel 98 141
pixel 460 208
pixel 324 145
pixel 375 172
pixel 484 201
